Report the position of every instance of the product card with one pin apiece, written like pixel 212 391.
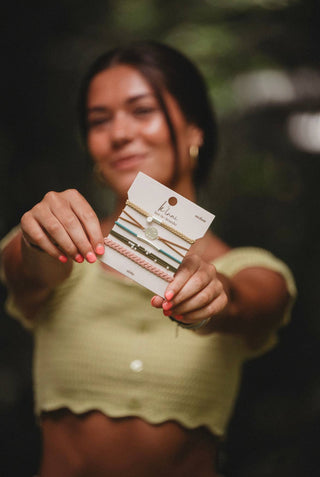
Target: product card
pixel 153 233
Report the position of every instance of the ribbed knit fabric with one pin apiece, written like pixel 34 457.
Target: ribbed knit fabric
pixel 100 345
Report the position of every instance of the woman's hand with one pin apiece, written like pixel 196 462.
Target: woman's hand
pixel 195 294
pixel 64 225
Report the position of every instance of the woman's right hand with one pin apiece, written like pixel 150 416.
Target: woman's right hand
pixel 64 225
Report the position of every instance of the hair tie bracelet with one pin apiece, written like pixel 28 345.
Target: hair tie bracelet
pixel 152 218
pixel 152 234
pixel 143 239
pixel 143 251
pixel 191 326
pixel 138 260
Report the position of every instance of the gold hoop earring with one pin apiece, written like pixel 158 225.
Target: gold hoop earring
pixel 194 152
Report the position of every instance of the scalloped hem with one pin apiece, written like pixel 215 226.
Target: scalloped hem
pixel 81 408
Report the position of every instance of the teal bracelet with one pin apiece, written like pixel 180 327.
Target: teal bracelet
pixel 147 242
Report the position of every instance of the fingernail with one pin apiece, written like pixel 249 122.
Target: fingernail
pixel 167 305
pixel 91 258
pixel 169 295
pixel 178 317
pixel 166 312
pixel 100 249
pixel 153 300
pixel 79 258
pixel 63 259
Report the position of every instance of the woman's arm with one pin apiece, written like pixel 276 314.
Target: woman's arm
pixel 251 303
pixel 257 300
pixel 60 229
pixel 31 274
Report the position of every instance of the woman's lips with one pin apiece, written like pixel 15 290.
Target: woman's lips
pixel 127 162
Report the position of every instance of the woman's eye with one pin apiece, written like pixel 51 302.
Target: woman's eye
pixel 97 122
pixel 144 110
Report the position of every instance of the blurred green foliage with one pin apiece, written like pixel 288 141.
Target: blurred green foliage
pixel 263 190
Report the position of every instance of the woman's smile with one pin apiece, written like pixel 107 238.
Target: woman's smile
pixel 128 131
pixel 128 161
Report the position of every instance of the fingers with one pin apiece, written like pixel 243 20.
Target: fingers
pixel 90 223
pixel 192 276
pixel 157 301
pixel 34 236
pixel 195 293
pixel 189 312
pixel 64 224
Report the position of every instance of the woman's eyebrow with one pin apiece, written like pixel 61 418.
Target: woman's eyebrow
pixel 139 96
pixel 130 100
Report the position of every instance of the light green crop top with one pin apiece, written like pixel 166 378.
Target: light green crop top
pixel 100 345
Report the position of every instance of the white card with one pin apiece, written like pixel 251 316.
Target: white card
pixel 154 231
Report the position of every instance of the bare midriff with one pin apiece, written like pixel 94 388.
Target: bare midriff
pixel 95 445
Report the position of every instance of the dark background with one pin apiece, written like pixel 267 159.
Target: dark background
pixel 261 60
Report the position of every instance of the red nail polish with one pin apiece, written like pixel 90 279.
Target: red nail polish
pixel 79 258
pixel 166 312
pixel 100 249
pixel 169 295
pixel 153 300
pixel 63 259
pixel 178 317
pixel 91 258
pixel 167 305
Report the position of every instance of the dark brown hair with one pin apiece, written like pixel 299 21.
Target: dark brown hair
pixel 164 68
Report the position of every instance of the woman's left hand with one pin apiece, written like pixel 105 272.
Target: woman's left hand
pixel 195 294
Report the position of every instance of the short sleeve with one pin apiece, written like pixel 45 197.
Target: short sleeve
pixel 10 307
pixel 3 243
pixel 245 257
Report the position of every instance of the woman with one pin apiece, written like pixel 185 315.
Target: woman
pixel 118 394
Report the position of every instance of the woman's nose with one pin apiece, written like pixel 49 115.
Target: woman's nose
pixel 121 130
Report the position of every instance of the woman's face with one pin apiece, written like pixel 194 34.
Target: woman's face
pixel 128 133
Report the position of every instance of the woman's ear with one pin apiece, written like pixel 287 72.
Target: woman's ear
pixel 195 141
pixel 195 135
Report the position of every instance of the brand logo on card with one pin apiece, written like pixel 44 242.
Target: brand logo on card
pixel 165 211
pixel 200 218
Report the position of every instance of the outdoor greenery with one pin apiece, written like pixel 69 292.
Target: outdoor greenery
pixel 263 188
